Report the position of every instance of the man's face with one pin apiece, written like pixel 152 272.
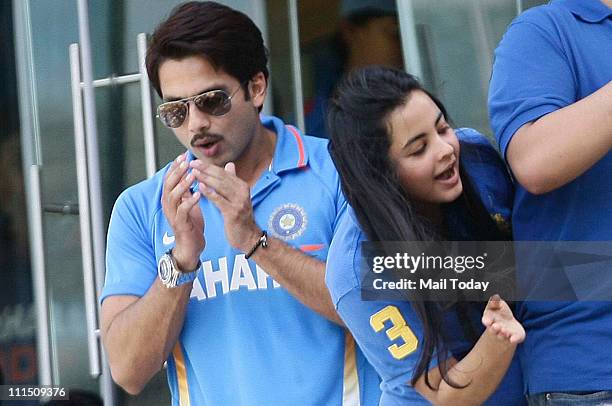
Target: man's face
pixel 212 139
pixel 377 42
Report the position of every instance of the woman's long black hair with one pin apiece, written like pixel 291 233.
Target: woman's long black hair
pixel 358 125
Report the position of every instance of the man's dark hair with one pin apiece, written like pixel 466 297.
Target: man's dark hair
pixel 227 38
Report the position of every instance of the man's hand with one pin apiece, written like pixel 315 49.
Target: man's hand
pixel 499 319
pixel 182 210
pixel 232 196
pixel 302 275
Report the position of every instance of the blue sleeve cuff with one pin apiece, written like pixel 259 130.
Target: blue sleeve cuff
pixel 505 136
pixel 126 289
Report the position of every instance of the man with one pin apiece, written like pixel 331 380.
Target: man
pixel 550 103
pixel 368 34
pixel 188 258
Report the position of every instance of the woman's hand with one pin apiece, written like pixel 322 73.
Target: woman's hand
pixel 498 318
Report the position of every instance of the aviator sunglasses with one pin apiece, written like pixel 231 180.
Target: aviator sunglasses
pixel 214 102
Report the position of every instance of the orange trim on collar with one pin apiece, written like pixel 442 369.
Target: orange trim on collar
pixel 301 162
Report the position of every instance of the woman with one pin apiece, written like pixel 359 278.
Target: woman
pixel 406 173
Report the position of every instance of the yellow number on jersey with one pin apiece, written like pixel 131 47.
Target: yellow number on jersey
pixel 398 330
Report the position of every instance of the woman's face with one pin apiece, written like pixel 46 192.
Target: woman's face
pixel 425 151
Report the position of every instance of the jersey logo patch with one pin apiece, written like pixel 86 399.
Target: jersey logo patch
pixel 287 222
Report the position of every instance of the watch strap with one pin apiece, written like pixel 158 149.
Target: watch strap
pixel 262 242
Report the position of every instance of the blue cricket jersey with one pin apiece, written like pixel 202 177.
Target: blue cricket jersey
pixel 396 359
pixel 551 57
pixel 245 339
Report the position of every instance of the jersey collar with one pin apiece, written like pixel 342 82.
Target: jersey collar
pixel 592 11
pixel 290 152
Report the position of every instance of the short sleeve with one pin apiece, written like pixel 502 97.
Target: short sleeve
pixel 390 335
pixel 531 77
pixel 131 266
pixel 341 206
pixel 488 174
pixel 340 273
pixel 341 203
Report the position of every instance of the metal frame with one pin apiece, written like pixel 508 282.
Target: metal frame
pixel 30 131
pixel 147 110
pixel 85 217
pixel 296 67
pixel 93 155
pixel 410 46
pixel 43 336
pixel 95 189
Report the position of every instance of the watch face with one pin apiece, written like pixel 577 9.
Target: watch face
pixel 165 268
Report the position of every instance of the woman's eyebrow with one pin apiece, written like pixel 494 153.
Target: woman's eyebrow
pixel 421 135
pixel 413 140
pixel 440 116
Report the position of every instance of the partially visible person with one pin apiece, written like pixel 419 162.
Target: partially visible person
pixel 14 254
pixel 368 34
pixel 550 104
pixel 409 176
pixel 216 263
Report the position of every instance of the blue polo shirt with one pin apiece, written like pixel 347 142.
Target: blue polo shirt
pixel 395 348
pixel 245 339
pixel 551 57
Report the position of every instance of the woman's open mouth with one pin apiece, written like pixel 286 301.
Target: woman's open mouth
pixel 447 174
pixel 450 176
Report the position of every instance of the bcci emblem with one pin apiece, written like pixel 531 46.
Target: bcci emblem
pixel 287 221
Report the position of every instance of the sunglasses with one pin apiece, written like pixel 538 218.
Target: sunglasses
pixel 214 102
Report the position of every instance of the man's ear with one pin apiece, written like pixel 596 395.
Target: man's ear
pixel 258 88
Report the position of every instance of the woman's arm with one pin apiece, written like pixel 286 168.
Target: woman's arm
pixel 479 373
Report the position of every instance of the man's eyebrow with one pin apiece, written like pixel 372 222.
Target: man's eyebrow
pixel 421 135
pixel 208 89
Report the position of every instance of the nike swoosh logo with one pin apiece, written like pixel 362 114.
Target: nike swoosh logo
pixel 167 239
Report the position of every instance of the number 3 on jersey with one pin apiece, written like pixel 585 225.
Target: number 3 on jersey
pixel 399 329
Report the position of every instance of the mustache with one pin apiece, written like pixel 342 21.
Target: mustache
pixel 208 137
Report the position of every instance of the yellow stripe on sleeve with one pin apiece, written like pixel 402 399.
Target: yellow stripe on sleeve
pixel 350 387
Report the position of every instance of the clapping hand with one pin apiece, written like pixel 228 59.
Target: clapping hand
pixel 232 196
pixel 182 210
